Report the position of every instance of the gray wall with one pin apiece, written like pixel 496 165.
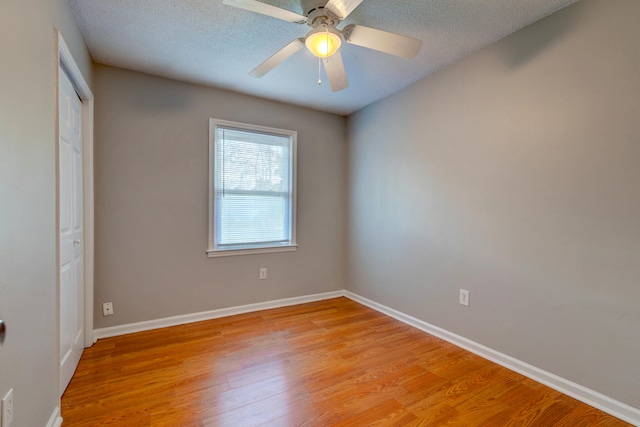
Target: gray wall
pixel 514 173
pixel 151 166
pixel 28 358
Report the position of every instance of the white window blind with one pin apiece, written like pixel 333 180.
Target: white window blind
pixel 253 187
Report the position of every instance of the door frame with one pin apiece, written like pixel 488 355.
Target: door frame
pixel 65 60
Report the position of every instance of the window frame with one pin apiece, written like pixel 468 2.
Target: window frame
pixel 245 249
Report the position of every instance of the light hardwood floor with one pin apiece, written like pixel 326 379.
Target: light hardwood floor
pixel 326 363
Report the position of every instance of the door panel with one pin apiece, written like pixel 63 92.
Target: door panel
pixel 65 311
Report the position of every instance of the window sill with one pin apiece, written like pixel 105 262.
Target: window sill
pixel 215 253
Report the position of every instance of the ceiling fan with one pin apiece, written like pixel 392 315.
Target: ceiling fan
pixel 324 39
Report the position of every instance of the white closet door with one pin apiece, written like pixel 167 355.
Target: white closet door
pixel 71 231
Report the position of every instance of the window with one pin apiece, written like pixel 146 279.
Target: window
pixel 252 189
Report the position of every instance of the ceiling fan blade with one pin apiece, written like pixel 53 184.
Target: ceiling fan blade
pixel 383 41
pixel 267 9
pixel 277 58
pixel 336 73
pixel 341 8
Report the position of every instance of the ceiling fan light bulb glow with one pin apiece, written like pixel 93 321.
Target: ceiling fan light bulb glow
pixel 323 41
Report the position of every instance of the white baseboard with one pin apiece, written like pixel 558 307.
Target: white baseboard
pixel 208 315
pixel 55 420
pixel 581 393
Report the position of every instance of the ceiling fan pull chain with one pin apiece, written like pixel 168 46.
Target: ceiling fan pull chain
pixel 327 48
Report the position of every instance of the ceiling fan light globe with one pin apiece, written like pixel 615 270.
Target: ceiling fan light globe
pixel 323 42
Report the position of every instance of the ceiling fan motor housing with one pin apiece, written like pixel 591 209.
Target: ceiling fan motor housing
pixel 314 10
pixel 309 6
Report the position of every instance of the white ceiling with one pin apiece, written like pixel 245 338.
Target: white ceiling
pixel 207 42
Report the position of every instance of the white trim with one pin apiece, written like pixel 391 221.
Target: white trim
pixel 65 60
pixel 231 252
pixel 89 237
pixel 590 397
pixel 208 315
pixel 55 420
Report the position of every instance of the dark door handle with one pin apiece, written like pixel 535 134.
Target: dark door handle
pixel 3 329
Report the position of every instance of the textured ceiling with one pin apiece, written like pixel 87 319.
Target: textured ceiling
pixel 207 42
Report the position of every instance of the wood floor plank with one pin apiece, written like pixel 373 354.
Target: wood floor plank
pixel 325 363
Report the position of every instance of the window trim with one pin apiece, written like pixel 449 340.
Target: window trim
pixel 212 250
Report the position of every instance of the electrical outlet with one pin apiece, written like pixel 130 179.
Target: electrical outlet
pixel 464 297
pixel 107 309
pixel 7 409
pixel 263 273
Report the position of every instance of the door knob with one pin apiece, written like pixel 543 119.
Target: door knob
pixel 76 242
